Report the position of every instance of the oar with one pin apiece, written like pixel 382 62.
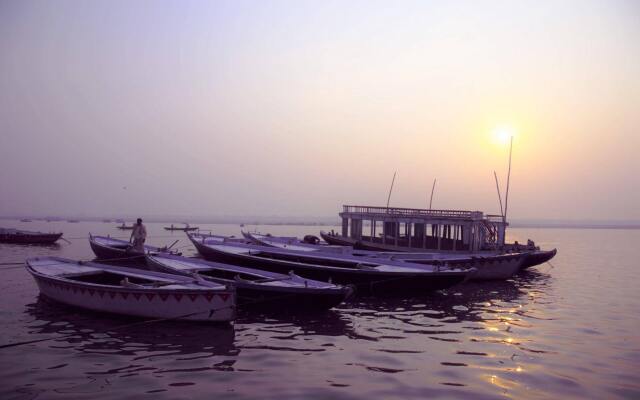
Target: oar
pixel 172 244
pixel 65 240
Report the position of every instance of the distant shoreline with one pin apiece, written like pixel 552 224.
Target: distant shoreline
pixel 573 226
pixel 632 225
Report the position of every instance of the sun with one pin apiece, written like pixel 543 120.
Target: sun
pixel 502 134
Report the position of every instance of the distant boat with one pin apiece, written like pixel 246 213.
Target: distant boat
pixel 132 292
pixel 25 220
pixel 72 221
pixel 185 228
pixel 257 288
pixel 125 227
pixel 17 236
pixel 106 220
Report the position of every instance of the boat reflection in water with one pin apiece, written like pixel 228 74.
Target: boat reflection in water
pixel 330 323
pixel 120 335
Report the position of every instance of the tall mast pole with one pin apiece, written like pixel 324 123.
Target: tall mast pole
pixel 506 197
pixel 391 188
pixel 499 196
pixel 432 189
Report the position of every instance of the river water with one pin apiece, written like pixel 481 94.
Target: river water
pixel 567 330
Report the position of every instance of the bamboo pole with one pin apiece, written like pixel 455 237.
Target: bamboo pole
pixel 506 197
pixel 391 188
pixel 499 196
pixel 432 189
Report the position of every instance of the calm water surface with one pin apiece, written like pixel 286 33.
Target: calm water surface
pixel 570 330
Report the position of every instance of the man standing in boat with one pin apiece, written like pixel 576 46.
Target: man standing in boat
pixel 138 235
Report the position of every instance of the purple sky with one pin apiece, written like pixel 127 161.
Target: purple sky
pixel 294 108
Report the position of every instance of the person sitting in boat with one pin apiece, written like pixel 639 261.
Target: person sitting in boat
pixel 138 235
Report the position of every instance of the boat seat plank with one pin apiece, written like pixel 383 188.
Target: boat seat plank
pixel 57 268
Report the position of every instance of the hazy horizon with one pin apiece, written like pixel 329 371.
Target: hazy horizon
pixel 295 108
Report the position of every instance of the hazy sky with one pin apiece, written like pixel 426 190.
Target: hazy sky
pixel 295 108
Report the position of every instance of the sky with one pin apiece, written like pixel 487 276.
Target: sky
pixel 293 108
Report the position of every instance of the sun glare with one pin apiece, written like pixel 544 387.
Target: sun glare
pixel 502 134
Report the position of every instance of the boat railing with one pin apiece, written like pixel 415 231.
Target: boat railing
pixel 411 212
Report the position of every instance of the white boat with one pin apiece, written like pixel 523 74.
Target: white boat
pixel 132 292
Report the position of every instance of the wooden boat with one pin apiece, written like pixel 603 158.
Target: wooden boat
pixel 132 292
pixel 25 220
pixel 373 277
pixel 283 242
pixel 16 236
pixel 125 227
pixel 532 255
pixel 338 240
pixel 488 266
pixel 72 221
pixel 185 228
pixel 257 288
pixel 105 248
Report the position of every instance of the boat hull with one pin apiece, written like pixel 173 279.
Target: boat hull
pixel 538 257
pixel 20 238
pixel 365 280
pixel 252 296
pixel 144 303
pixel 496 269
pixel 111 253
pixel 486 267
pixel 489 267
pixel 488 270
pixel 337 240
